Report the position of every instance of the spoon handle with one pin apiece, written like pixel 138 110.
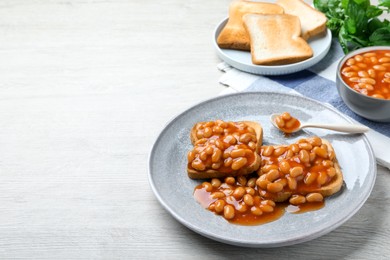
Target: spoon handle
pixel 350 128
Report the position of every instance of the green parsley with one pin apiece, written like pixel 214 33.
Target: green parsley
pixel 356 22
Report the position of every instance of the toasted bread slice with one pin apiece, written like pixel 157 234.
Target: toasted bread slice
pixel 244 147
pixel 313 22
pixel 234 35
pixel 334 181
pixel 275 39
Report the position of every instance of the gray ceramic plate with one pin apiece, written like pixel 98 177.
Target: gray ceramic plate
pixel 174 190
pixel 242 59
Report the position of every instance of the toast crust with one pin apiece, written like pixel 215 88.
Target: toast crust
pixel 247 169
pixel 332 187
pixel 234 35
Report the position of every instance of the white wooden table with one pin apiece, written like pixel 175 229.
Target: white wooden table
pixel 85 88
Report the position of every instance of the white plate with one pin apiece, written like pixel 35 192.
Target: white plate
pixel 174 190
pixel 242 59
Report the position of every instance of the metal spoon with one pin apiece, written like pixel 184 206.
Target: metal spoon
pixel 349 128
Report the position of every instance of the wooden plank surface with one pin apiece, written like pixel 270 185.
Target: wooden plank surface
pixel 85 87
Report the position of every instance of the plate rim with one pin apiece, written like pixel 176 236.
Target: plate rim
pixel 255 244
pixel 269 70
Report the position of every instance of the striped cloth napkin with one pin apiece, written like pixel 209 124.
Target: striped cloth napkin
pixel 317 83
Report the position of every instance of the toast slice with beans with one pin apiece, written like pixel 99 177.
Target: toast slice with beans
pixel 305 167
pixel 223 149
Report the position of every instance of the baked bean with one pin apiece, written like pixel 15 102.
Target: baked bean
pixel 228 211
pixel 312 156
pixel 256 211
pixel 351 62
pixel 238 163
pixel 314 197
pixel 230 180
pixel 217 154
pixel 350 74
pixel 346 69
pixel 238 193
pixel 304 156
pixel 305 146
pixel 379 67
pixel 322 178
pixel 268 202
pixel 219 206
pixel 282 181
pixel 207 132
pixel 219 144
pixel 289 154
pixel 201 141
pixel 266 208
pixel 359 58
pixel 297 199
pixel 368 80
pixel 286 116
pixel 228 162
pixel 273 175
pixel 369 54
pixel 216 165
pixel 262 183
pixel 248 199
pixel 198 165
pixel 274 187
pixel 354 79
pixel 252 145
pixel 250 191
pixel 207 186
pixel 279 122
pixel 377 96
pixel 268 150
pixel 269 167
pixel 327 163
pixel 242 180
pixel 295 148
pixel 384 59
pixel 355 68
pixel 242 207
pixel 284 167
pixel 218 195
pixel 320 152
pixel 226 154
pixel 331 172
pixel 237 153
pixel 215 182
pixel 209 150
pixel 291 182
pixel 203 156
pixel 279 151
pixel 296 171
pixel 363 74
pixel 217 130
pixel 251 182
pixel 310 178
pixel 190 156
pixel 314 141
pixel 372 73
pixel 361 65
pixel 366 86
pixel 245 138
pixel 291 123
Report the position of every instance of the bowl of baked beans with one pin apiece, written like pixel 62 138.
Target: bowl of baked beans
pixel 363 82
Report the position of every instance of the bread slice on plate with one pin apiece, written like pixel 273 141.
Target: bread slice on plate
pixel 223 149
pixel 313 22
pixel 275 39
pixel 234 35
pixel 320 171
